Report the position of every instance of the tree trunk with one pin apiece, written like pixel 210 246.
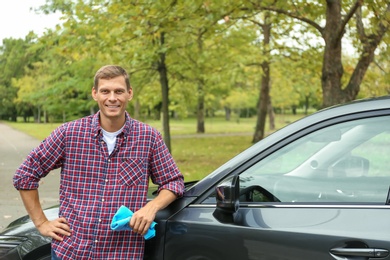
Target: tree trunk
pixel 38 120
pixel 262 104
pixel 306 104
pixel 271 115
pixel 157 111
pixel 332 67
pixel 162 70
pixel 332 70
pixel 45 117
pixel 14 114
pixel 200 111
pixel 227 113
pixel 370 43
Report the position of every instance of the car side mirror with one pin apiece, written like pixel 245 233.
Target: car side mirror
pixel 228 195
pixel 351 166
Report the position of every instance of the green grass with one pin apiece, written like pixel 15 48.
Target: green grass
pixel 38 131
pixel 197 157
pixel 220 125
pixel 195 154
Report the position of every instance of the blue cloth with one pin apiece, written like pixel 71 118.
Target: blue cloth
pixel 121 221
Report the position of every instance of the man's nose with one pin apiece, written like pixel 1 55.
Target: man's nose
pixel 112 96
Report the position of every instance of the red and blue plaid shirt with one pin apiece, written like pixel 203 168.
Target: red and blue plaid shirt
pixel 95 184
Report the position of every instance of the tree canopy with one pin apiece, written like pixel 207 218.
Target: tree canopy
pixel 194 58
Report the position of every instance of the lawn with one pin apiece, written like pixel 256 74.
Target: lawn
pixel 196 154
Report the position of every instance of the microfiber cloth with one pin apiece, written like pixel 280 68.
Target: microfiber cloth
pixel 121 220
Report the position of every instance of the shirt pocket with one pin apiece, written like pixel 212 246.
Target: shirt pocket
pixel 132 172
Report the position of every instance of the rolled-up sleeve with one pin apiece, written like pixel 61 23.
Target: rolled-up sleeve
pixel 40 161
pixel 165 172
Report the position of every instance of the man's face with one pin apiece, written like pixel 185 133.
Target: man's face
pixel 112 97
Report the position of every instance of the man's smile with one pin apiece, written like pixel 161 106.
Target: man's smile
pixel 112 106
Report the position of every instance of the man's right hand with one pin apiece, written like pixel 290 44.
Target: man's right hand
pixel 55 229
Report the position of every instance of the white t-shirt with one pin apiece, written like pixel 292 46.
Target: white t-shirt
pixel 110 139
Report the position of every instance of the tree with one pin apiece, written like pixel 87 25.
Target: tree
pixel 194 54
pixel 372 23
pixel 204 42
pixel 264 95
pixel 14 58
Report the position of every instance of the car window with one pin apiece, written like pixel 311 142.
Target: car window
pixel 345 162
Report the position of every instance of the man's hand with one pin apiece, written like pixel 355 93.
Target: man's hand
pixel 55 229
pixel 143 218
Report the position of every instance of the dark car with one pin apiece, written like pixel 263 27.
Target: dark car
pixel 317 189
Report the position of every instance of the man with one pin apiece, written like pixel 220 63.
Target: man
pixel 106 160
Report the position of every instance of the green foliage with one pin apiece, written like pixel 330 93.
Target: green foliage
pixel 13 59
pixel 212 50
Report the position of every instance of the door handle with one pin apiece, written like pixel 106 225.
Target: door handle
pixel 366 252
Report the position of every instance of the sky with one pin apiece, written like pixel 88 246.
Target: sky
pixel 17 20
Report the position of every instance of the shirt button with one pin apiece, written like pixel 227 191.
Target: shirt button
pixel 96 241
pixel 100 220
pixel 102 200
pixel 106 180
pixel 109 160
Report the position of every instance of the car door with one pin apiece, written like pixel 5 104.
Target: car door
pixel 322 193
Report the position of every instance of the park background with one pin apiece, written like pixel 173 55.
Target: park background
pixel 213 76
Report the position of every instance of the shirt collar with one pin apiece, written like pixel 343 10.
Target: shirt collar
pixel 96 128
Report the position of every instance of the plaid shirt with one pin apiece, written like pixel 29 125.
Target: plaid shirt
pixel 95 184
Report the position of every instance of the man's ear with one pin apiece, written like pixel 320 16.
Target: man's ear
pixel 93 93
pixel 130 94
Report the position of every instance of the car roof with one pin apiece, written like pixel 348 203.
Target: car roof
pixel 356 106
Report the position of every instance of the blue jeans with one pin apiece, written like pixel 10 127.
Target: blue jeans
pixel 54 256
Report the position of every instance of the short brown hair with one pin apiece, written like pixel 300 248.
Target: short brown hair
pixel 109 72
